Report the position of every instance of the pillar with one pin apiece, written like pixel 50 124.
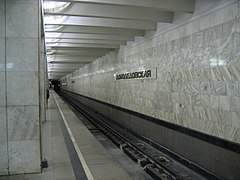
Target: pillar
pixel 19 87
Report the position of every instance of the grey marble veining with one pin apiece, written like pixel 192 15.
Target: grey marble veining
pixel 16 50
pixel 218 88
pixel 24 156
pixel 205 87
pixel 224 102
pixel 19 87
pixel 226 75
pixel 229 132
pixel 195 99
pixel 24 82
pixel 235 71
pixel 235 103
pixel 206 114
pixel 2 18
pixel 23 123
pixel 191 87
pixel 3 125
pixel 3 158
pixel 2 53
pixel 233 88
pixel 237 136
pixel 216 74
pixel 238 9
pixel 225 117
pixel 18 23
pixel 2 89
pixel 198 75
pixel 235 119
pixel 205 100
pixel 214 102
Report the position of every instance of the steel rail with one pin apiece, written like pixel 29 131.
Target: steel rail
pixel 157 165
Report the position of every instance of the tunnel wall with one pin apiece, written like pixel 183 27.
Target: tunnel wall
pixel 197 85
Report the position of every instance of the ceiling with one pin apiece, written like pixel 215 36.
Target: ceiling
pixel 79 31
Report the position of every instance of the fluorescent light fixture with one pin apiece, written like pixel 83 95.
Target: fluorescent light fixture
pixel 52 27
pixel 50 6
pixel 222 62
pixel 218 62
pixel 51 19
pixel 50 52
pixel 10 65
pixel 52 40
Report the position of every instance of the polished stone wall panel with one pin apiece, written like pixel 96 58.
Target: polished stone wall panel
pixel 3 117
pixel 2 19
pixel 23 123
pixel 19 89
pixel 22 54
pixel 2 54
pixel 24 156
pixel 18 22
pixel 3 126
pixel 24 82
pixel 3 158
pixel 198 75
pixel 2 89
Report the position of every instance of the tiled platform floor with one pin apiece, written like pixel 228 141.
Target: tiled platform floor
pixel 54 150
pixel 98 161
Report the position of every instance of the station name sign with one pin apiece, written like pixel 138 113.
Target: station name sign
pixel 137 74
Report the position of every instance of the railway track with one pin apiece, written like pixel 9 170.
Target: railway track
pixel 157 164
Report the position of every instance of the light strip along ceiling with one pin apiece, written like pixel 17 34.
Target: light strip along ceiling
pixel 80 31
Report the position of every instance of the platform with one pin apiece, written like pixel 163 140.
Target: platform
pixel 71 150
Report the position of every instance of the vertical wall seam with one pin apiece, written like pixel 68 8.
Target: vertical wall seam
pixel 5 13
pixel 39 84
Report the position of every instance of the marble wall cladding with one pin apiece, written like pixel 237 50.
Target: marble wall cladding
pixel 24 156
pixel 2 89
pixel 220 16
pixel 19 87
pixel 43 85
pixel 2 19
pixel 2 54
pixel 3 125
pixel 198 83
pixel 26 84
pixel 18 22
pixel 2 66
pixel 3 109
pixel 23 123
pixel 22 54
pixel 3 158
